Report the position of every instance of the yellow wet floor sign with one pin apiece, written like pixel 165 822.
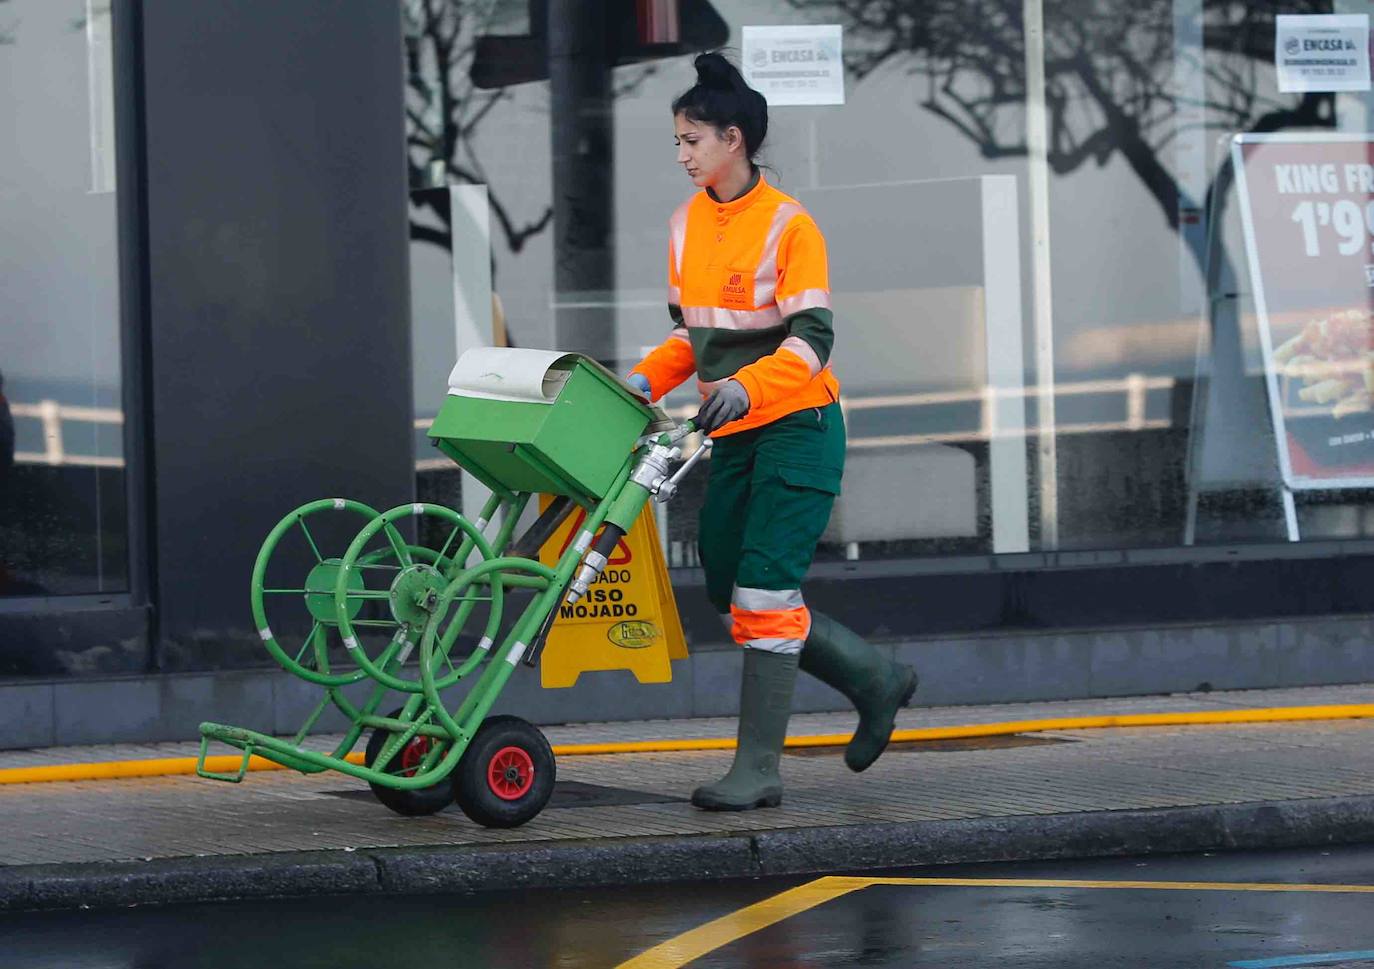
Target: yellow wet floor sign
pixel 627 620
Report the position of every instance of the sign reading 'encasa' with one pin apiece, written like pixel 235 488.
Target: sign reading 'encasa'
pixel 1322 52
pixel 795 64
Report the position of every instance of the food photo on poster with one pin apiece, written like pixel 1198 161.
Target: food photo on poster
pixel 1307 205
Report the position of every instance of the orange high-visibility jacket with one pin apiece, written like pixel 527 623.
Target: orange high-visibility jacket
pixel 749 294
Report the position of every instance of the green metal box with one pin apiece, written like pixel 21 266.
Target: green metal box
pixel 570 436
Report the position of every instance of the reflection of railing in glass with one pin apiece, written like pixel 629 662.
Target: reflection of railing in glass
pixel 51 415
pixel 1135 387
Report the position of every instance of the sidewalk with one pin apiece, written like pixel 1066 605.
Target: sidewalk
pixel 624 819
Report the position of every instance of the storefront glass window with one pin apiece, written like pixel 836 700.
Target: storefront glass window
pixel 63 519
pixel 1046 331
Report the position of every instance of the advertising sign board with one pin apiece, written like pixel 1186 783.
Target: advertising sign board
pixel 1307 205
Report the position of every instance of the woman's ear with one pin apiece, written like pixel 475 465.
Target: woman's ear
pixel 734 138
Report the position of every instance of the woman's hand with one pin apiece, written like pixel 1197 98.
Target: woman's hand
pixel 728 402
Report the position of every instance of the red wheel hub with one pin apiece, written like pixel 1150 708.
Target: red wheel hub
pixel 413 754
pixel 510 773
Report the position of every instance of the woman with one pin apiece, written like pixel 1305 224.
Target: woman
pixel 749 295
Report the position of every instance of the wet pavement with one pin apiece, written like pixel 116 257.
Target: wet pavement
pixel 623 819
pixel 1190 912
pixel 1049 774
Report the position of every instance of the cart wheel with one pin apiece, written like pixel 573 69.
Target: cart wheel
pixel 506 775
pixel 415 803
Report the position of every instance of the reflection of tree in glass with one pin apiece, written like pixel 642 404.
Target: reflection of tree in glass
pixel 1109 76
pixel 444 108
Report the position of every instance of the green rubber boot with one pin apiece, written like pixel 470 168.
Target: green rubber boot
pixel 765 704
pixel 877 687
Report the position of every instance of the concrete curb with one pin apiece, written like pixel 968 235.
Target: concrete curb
pixel 630 861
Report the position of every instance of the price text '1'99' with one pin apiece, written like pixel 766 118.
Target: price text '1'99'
pixel 1351 222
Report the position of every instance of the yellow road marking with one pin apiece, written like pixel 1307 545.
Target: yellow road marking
pixel 1155 885
pixel 683 949
pixel 714 935
pixel 230 762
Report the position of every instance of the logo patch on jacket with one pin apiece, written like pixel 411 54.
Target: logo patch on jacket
pixel 737 292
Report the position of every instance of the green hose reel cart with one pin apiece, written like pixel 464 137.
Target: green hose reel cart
pixel 410 621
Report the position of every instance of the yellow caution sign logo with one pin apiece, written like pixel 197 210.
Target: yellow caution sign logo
pixel 627 620
pixel 633 634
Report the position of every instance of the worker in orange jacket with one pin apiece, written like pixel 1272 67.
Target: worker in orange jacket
pixel 749 295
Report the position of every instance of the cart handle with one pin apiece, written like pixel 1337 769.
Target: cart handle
pixel 666 489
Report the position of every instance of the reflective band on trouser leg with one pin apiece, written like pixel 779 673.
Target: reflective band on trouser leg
pixel 772 620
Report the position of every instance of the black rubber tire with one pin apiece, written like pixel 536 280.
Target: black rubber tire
pixel 472 789
pixel 413 804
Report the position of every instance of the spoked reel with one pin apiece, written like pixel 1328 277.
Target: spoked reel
pixel 377 587
pixel 367 598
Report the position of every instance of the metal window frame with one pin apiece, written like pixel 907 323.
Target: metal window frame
pixel 131 175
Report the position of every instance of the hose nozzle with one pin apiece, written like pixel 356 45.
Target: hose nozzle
pixel 590 571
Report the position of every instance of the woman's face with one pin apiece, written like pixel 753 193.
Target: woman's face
pixel 706 153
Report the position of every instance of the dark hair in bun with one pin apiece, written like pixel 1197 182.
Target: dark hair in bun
pixel 721 98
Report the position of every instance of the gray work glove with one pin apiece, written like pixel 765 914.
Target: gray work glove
pixel 728 402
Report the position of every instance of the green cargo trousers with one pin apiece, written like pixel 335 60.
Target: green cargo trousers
pixel 768 500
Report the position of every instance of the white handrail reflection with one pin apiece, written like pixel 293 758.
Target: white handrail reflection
pixel 1134 387
pixel 51 415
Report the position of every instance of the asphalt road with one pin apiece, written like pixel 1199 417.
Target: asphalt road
pixel 1192 912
